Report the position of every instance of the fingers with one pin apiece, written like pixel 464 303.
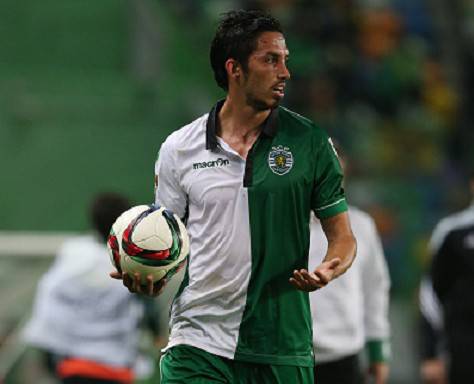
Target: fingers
pixel 310 281
pixel 137 284
pixel 115 275
pixel 323 276
pixel 305 281
pixel 149 287
pixel 311 278
pixel 127 281
pixel 159 287
pixel 152 288
pixel 132 282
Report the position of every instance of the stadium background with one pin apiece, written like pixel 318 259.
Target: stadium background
pixel 88 90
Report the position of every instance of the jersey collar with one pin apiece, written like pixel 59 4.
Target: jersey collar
pixel 269 127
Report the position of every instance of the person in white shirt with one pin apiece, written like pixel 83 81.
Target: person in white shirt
pixel 81 317
pixel 353 311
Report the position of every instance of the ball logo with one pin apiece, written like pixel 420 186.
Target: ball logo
pixel 280 160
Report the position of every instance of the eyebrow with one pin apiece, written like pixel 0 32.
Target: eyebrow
pixel 278 53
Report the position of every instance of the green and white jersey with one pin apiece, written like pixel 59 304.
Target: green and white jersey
pixel 248 223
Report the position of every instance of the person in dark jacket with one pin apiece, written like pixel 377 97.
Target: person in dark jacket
pixel 452 274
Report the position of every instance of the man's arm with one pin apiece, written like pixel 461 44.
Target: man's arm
pixel 376 285
pixel 341 242
pixel 339 256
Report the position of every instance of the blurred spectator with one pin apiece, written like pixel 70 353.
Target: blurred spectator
pixel 452 273
pixel 353 310
pixel 85 321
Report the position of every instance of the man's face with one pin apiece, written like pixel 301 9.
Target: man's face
pixel 264 80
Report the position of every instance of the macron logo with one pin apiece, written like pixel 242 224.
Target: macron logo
pixel 211 164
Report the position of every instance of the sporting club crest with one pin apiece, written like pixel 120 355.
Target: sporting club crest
pixel 280 160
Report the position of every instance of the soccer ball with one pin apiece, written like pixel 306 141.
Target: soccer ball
pixel 150 240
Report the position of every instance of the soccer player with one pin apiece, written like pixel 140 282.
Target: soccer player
pixel 245 177
pixel 85 320
pixel 452 274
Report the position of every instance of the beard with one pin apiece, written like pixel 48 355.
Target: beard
pixel 259 104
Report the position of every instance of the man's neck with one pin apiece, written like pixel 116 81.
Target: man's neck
pixel 237 118
pixel 240 125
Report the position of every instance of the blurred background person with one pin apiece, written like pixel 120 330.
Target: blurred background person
pixel 452 274
pixel 85 322
pixel 352 311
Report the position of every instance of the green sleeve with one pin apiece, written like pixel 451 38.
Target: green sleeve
pixel 328 197
pixel 378 351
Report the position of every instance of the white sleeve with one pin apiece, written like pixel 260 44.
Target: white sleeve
pixel 438 236
pixel 430 306
pixel 376 286
pixel 168 190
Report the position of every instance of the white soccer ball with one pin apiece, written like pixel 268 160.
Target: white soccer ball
pixel 150 240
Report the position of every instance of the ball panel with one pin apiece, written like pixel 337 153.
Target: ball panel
pixel 152 232
pixel 114 251
pixel 113 243
pixel 164 222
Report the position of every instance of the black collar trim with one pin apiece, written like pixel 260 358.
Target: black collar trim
pixel 269 127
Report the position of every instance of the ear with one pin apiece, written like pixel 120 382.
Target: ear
pixel 233 69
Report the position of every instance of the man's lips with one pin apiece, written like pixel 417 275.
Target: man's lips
pixel 279 89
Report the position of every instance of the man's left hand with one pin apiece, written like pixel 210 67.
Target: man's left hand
pixel 310 281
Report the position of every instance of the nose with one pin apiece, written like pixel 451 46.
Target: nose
pixel 284 73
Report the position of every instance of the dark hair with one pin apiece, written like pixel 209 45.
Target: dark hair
pixel 104 210
pixel 236 37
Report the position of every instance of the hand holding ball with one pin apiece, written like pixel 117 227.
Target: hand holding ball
pixel 149 240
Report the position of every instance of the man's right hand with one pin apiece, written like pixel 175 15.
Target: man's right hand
pixel 134 283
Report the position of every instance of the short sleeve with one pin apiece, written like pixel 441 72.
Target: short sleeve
pixel 328 197
pixel 168 191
